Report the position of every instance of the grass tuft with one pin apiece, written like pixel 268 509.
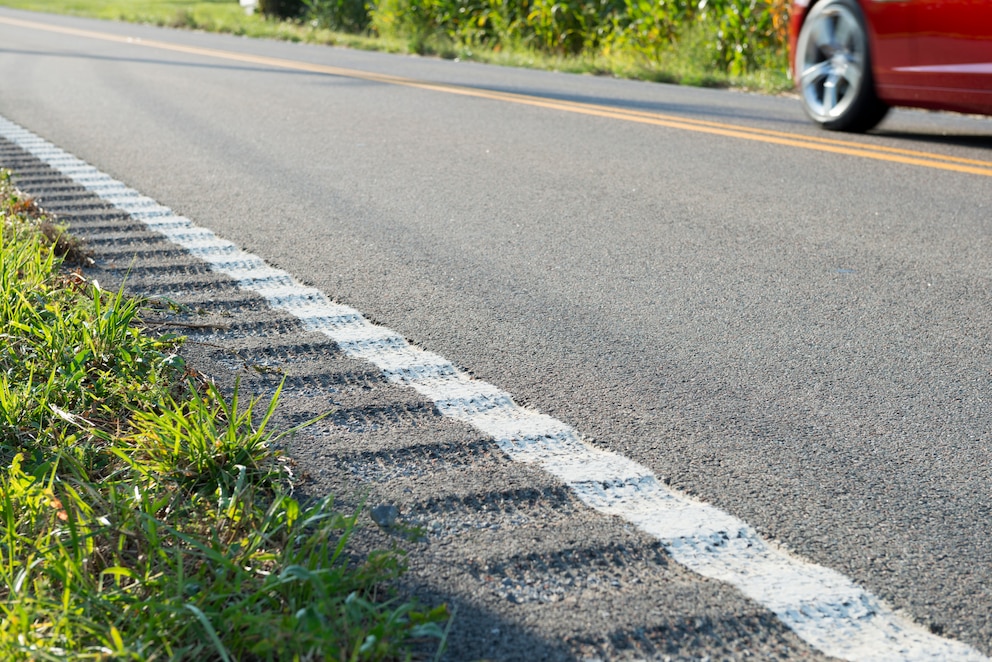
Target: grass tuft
pixel 145 515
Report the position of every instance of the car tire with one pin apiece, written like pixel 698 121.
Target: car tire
pixel 833 68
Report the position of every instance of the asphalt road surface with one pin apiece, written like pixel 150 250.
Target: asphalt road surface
pixel 790 326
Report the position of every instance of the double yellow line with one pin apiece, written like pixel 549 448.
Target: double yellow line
pixel 834 146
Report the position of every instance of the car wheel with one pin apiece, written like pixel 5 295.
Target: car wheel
pixel 833 68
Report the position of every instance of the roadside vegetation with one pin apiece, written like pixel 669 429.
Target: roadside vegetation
pixel 737 43
pixel 146 515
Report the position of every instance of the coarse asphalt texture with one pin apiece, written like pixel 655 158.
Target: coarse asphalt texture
pixel 530 573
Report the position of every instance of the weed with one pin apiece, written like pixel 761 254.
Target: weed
pixel 147 516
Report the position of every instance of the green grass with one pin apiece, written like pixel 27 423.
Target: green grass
pixel 727 47
pixel 146 516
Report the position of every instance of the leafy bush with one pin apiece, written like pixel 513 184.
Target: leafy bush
pixel 648 27
pixel 341 15
pixel 281 8
pixel 745 33
pixel 740 35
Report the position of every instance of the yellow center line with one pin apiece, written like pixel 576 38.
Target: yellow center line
pixel 835 141
pixel 831 145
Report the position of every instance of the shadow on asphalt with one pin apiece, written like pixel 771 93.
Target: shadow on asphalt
pixel 958 140
pixel 680 109
pixel 477 634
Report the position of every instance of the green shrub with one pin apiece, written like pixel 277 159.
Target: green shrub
pixel 281 8
pixel 739 35
pixel 744 34
pixel 340 15
pixel 647 27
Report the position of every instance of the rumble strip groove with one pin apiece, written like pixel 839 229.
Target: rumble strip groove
pixel 825 608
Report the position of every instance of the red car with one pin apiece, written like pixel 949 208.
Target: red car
pixel 853 59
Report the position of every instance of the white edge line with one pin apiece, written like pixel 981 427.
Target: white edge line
pixel 823 607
